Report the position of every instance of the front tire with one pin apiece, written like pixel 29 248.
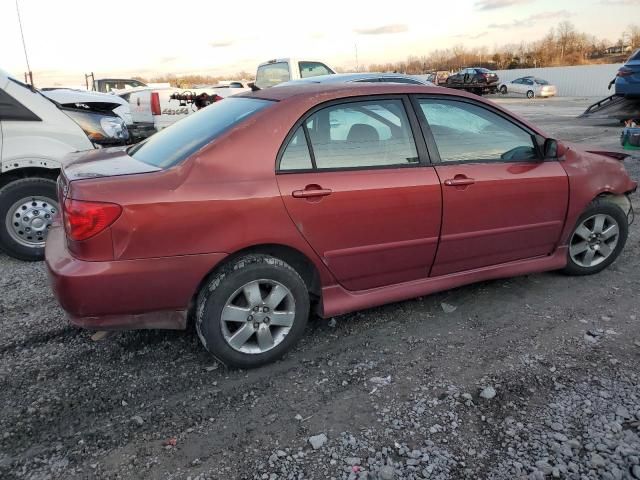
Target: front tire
pixel 597 239
pixel 503 89
pixel 27 208
pixel 530 94
pixel 252 311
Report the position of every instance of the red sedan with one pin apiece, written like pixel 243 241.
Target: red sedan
pixel 256 209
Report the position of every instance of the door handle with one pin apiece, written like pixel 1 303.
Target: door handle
pixel 308 193
pixel 459 181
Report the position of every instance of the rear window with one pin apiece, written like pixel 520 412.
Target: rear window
pixel 175 143
pixel 314 69
pixel 635 56
pixel 272 74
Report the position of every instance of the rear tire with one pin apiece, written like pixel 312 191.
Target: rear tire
pixel 22 236
pixel 240 317
pixel 597 239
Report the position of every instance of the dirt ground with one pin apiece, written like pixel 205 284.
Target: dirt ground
pixel 391 392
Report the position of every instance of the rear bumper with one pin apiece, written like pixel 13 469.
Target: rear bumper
pixel 125 294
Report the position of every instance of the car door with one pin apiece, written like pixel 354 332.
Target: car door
pixel 528 85
pixel 357 185
pixel 501 201
pixel 516 86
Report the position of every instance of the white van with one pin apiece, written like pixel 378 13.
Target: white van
pixel 36 134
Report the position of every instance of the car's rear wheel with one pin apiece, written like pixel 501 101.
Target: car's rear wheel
pixel 503 89
pixel 252 311
pixel 530 94
pixel 598 238
pixel 27 209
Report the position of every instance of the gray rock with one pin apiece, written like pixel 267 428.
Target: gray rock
pixel 622 412
pixel 488 393
pixel 556 426
pixel 317 441
pixel 448 308
pixel 635 471
pixel 597 461
pixel 386 473
pixel 137 419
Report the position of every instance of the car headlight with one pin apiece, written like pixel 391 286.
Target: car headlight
pixel 100 128
pixel 113 126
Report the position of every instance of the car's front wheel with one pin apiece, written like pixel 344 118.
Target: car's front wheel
pixel 503 89
pixel 252 311
pixel 27 209
pixel 598 238
pixel 530 94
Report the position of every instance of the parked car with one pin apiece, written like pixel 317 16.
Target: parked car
pixel 438 78
pixel 359 77
pixel 474 80
pixel 281 70
pixel 529 86
pixel 627 81
pixel 336 197
pixel 95 101
pixel 36 134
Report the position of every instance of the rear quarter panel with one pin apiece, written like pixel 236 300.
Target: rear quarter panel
pixel 223 199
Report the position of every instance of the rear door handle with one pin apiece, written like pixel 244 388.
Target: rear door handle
pixel 459 181
pixel 318 192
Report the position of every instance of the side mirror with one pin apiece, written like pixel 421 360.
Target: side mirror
pixel 253 86
pixel 550 148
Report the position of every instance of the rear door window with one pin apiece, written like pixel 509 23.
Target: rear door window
pixel 313 69
pixel 272 74
pixel 362 134
pixel 177 142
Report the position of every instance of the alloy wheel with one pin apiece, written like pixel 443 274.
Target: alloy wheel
pixel 258 316
pixel 594 240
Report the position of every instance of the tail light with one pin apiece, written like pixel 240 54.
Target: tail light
pixel 625 72
pixel 83 220
pixel 155 103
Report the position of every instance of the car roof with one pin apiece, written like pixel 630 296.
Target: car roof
pixel 303 96
pixel 337 90
pixel 348 77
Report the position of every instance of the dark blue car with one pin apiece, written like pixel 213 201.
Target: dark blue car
pixel 628 78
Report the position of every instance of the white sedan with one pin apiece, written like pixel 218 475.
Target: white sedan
pixel 529 86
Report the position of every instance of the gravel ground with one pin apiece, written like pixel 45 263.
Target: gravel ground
pixel 527 378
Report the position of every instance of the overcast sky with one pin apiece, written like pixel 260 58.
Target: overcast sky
pixel 66 38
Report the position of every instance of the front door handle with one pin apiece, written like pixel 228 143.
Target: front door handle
pixel 459 180
pixel 311 192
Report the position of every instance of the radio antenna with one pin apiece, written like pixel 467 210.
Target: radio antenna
pixel 24 45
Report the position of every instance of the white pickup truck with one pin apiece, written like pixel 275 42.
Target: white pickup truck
pixel 153 109
pixel 280 70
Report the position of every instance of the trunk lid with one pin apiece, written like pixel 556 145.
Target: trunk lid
pixel 109 162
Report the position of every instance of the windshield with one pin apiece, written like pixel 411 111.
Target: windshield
pixel 175 143
pixel 540 81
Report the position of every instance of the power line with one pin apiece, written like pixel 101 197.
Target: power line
pixel 24 45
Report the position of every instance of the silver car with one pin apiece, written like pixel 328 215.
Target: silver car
pixel 529 86
pixel 360 77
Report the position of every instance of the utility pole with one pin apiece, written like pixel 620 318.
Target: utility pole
pixel 357 63
pixel 24 47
